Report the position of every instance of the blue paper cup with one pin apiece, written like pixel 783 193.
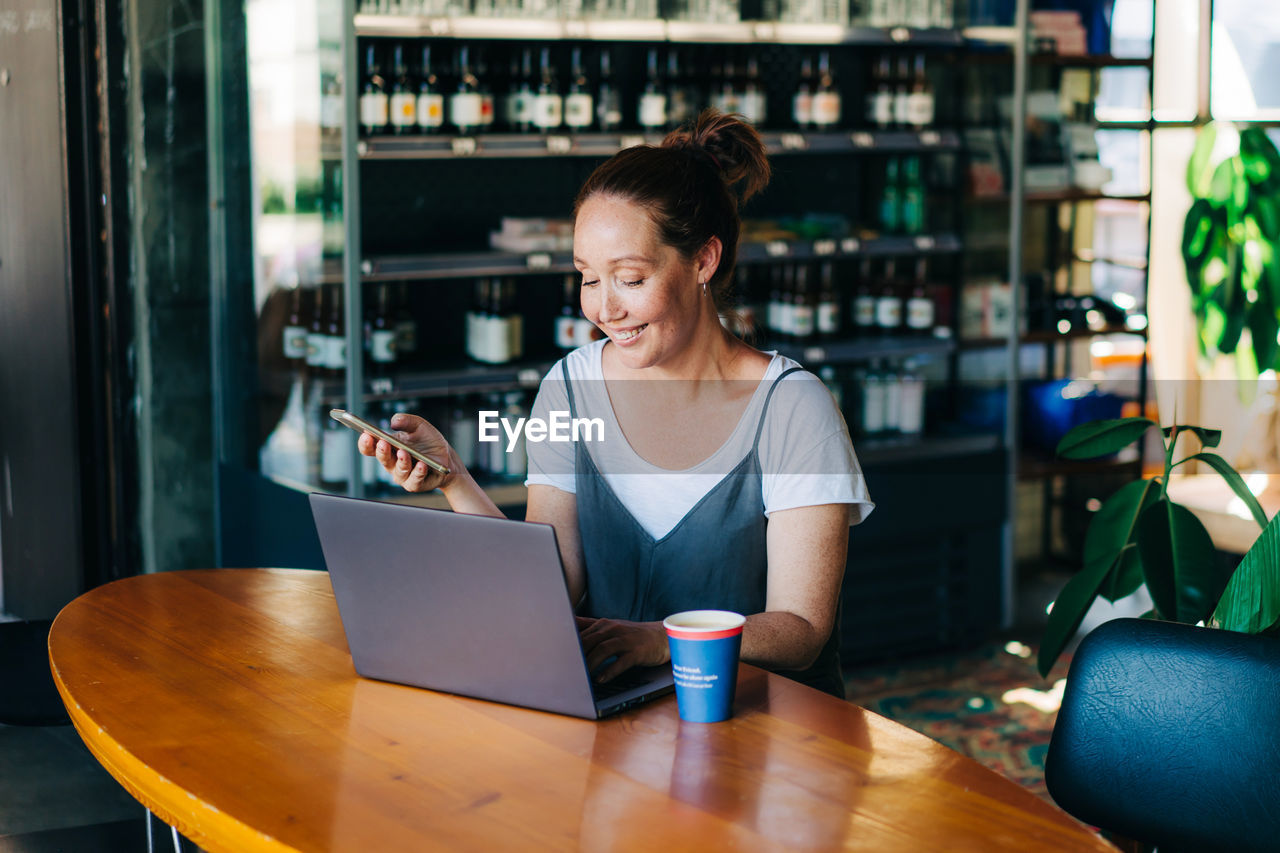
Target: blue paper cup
pixel 704 660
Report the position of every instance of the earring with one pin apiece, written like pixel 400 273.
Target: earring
pixel 704 288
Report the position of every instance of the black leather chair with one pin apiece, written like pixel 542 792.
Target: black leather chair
pixel 28 696
pixel 1170 735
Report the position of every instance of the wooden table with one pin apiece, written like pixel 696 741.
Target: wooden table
pixel 225 701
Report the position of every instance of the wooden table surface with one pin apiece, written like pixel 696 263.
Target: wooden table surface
pixel 225 701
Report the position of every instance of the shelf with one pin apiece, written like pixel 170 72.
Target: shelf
pixel 687 32
pixel 862 349
pixel 1085 257
pixel 1033 466
pixel 1063 196
pixel 480 264
pixel 565 144
pixel 1049 336
pixel 1088 60
pixel 887 451
pixel 463 378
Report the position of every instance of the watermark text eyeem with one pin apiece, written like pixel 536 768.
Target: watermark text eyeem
pixel 559 427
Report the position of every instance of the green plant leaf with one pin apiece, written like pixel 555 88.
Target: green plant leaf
pixel 1068 612
pixel 1208 437
pixel 1196 228
pixel 1199 174
pixel 1251 601
pixel 1109 538
pixel 1222 183
pixel 1235 481
pixel 1267 212
pixel 1178 562
pixel 1254 145
pixel 1264 324
pixel 1100 438
pixel 1125 578
pixel 1232 301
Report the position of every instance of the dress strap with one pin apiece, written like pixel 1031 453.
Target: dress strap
pixel 568 387
pixel 764 410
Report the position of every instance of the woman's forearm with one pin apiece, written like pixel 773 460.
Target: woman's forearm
pixel 777 639
pixel 465 495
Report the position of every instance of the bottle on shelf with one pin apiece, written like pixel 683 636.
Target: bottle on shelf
pixel 519 103
pixel 831 378
pixel 374 105
pixel 889 302
pixel 826 97
pixel 802 100
pixel 404 101
pixel 317 340
pixel 652 108
pixel 294 338
pixel 566 324
pixel 516 461
pixel 382 335
pixel 484 85
pixel 430 107
pixel 872 402
pixel 802 319
pixel 920 313
pixel 864 302
pixel 787 307
pixel 479 320
pixel 608 99
pixel 902 94
pixel 548 105
pixel 331 106
pixel 891 382
pixel 911 219
pixel 880 98
pixel 336 335
pixel 681 101
pixel 512 323
pixel 920 101
pixel 466 105
pixel 910 401
pixel 579 109
pixel 333 235
pixel 752 102
pixel 725 96
pixel 494 453
pixel 406 325
pixel 891 199
pixel 462 432
pixel 773 308
pixel 827 312
pixel 335 453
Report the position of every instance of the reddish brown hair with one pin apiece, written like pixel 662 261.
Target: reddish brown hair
pixel 691 185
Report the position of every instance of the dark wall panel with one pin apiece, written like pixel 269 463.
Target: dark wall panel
pixel 40 524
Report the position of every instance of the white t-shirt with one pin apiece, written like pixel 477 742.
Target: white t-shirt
pixel 806 456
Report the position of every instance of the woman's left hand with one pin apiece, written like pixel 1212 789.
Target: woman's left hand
pixel 631 643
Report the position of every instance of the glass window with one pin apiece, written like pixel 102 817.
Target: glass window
pixel 1246 54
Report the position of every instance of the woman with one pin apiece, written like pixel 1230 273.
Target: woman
pixel 726 480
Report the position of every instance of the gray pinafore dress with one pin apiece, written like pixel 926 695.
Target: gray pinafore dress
pixel 713 559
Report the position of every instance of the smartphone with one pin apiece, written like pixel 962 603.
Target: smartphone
pixel 347 419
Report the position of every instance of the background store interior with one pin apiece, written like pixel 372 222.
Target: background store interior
pixel 308 205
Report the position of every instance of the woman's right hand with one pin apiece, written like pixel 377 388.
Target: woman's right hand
pixel 405 471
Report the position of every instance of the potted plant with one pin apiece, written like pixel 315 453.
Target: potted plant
pixel 1140 537
pixel 1231 249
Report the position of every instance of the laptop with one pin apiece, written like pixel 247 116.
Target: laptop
pixel 464 604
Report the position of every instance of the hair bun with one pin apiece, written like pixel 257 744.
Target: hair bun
pixel 728 143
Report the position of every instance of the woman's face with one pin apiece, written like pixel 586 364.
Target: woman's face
pixel 636 289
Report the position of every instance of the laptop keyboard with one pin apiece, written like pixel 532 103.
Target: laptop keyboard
pixel 628 680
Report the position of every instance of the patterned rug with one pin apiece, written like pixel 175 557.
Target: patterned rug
pixel 988 703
